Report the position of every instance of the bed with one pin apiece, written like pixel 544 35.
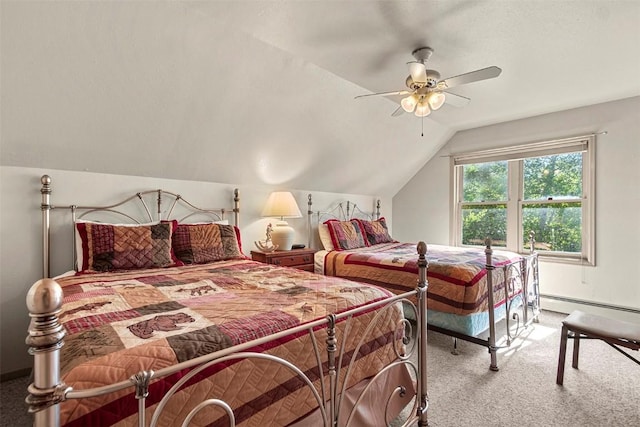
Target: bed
pixel 470 289
pixel 166 322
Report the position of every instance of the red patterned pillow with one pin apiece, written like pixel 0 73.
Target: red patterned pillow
pixel 107 247
pixel 376 231
pixel 202 243
pixel 346 234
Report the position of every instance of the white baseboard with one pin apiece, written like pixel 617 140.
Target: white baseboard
pixel 612 312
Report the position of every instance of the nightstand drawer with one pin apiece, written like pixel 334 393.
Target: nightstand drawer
pixel 293 259
pixel 301 259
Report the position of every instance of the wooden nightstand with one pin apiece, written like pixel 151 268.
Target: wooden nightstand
pixel 296 258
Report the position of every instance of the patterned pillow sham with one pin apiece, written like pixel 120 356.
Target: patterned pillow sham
pixel 107 247
pixel 203 243
pixel 346 234
pixel 325 237
pixel 376 231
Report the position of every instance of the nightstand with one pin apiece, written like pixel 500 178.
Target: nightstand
pixel 297 258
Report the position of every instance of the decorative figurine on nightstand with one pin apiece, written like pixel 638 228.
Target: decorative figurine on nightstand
pixel 266 245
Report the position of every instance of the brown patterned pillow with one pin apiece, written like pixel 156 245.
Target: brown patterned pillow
pixel 376 231
pixel 107 247
pixel 346 234
pixel 202 243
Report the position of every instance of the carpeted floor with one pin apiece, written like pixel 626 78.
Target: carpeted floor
pixel 605 391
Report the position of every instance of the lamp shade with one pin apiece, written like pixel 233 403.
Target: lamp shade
pixel 282 204
pixel 422 109
pixel 409 103
pixel 436 99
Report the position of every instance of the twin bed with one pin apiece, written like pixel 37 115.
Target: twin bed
pixel 166 322
pixel 470 289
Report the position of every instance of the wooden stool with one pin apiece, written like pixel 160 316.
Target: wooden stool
pixel 589 326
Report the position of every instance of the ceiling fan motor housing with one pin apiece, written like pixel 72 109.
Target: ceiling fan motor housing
pixel 433 77
pixel 422 53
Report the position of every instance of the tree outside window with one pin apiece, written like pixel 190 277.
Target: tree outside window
pixel 542 187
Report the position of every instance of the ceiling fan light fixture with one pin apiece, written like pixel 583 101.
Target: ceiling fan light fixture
pixel 409 103
pixel 436 100
pixel 422 109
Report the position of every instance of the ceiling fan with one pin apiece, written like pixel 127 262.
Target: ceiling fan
pixel 427 91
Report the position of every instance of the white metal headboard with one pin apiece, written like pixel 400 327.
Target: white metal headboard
pixel 133 209
pixel 342 210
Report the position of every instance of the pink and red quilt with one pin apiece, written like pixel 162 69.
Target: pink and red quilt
pixel 120 323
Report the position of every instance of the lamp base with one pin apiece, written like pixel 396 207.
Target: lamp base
pixel 282 236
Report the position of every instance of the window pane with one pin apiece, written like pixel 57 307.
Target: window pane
pixel 480 222
pixel 558 226
pixel 485 182
pixel 553 177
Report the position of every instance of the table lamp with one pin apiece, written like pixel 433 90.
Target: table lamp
pixel 282 204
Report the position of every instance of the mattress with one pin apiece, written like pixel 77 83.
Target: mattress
pixel 118 324
pixel 457 293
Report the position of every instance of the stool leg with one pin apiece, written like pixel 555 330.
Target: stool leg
pixel 562 356
pixel 576 349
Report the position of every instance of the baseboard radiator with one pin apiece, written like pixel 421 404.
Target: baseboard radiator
pixel 591 303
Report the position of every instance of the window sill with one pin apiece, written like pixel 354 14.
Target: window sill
pixel 557 259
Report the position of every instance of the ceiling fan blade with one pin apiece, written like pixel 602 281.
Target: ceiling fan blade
pixel 473 76
pixel 456 100
pixel 398 112
pixel 418 72
pixel 398 92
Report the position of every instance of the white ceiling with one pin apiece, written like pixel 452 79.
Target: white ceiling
pixel 261 93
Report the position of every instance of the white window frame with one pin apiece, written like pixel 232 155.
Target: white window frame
pixel 515 155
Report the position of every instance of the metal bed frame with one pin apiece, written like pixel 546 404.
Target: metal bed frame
pixel 523 273
pixel 46 337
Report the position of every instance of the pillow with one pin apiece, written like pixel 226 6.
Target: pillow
pixel 202 243
pixel 325 237
pixel 107 247
pixel 346 234
pixel 78 239
pixel 376 231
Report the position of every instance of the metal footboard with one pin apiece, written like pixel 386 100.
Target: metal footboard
pixel 520 284
pixel 46 335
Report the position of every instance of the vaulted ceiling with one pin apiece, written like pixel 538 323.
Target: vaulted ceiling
pixel 262 93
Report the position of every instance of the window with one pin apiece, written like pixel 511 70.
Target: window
pixel 542 187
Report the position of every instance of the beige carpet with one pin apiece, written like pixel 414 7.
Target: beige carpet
pixel 605 391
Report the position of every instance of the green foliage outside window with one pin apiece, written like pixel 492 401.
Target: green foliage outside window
pixel 480 222
pixel 558 176
pixel 556 179
pixel 485 182
pixel 558 226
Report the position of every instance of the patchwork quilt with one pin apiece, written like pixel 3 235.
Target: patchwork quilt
pixel 457 276
pixel 120 323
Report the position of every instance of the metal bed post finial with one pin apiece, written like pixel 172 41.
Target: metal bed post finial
pixel 142 380
pixel 236 207
pixel 423 285
pixel 309 220
pixel 331 367
pixel 492 326
pixel 159 205
pixel 378 209
pixel 532 241
pixel 44 301
pixel 45 190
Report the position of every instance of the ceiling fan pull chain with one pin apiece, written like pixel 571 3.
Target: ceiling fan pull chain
pixel 422 121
